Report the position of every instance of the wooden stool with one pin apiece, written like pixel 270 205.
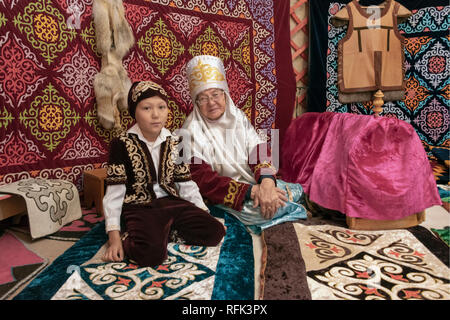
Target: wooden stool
pixel 94 188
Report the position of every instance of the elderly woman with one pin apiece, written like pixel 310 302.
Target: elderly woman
pixel 229 161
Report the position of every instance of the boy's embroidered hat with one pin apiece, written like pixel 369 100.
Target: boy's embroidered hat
pixel 205 72
pixel 141 90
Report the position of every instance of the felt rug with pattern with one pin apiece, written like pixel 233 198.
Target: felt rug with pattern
pixel 51 203
pixel 18 264
pixel 72 231
pixel 318 260
pixel 224 272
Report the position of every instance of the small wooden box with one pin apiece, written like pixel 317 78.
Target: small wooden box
pixel 11 205
pixel 94 188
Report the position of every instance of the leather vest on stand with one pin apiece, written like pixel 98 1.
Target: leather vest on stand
pixel 371 54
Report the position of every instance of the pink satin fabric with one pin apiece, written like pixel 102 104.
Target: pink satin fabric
pixel 362 166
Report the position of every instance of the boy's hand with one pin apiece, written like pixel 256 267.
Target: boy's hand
pixel 114 252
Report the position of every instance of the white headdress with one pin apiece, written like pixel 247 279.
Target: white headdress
pixel 205 72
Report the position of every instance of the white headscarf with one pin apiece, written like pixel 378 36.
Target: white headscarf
pixel 209 137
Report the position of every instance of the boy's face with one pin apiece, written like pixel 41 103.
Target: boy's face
pixel 151 116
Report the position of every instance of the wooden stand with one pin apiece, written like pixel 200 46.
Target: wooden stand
pixel 94 188
pixel 367 224
pixel 378 103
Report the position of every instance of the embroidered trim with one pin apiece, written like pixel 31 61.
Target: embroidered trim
pixel 115 174
pixel 141 170
pixel 140 191
pixel 113 227
pixel 143 86
pixel 168 159
pixel 183 170
pixel 265 165
pixel 182 173
pixel 203 73
pixel 233 190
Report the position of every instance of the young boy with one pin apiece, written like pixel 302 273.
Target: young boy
pixel 148 193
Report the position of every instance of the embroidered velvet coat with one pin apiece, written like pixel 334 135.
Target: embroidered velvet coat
pixel 130 163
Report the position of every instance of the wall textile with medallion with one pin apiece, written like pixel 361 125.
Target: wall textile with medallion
pixel 48 60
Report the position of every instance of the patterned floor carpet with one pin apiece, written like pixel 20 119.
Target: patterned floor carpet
pixel 323 260
pixel 190 272
pixel 18 264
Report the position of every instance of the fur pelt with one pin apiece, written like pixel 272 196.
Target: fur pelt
pixel 114 39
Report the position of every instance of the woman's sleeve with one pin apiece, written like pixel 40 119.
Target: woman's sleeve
pixel 260 162
pixel 218 189
pixel 259 154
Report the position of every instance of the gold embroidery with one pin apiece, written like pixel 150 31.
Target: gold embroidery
pixel 182 172
pixel 266 165
pixel 115 173
pixel 168 159
pixel 143 86
pixel 129 198
pixel 233 190
pixel 140 168
pixel 203 73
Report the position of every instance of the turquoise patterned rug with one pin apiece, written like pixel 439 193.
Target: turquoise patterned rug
pixel 225 272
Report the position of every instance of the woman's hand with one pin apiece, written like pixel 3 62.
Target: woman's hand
pixel 268 197
pixel 114 252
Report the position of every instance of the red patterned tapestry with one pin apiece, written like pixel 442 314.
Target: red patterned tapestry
pixel 48 60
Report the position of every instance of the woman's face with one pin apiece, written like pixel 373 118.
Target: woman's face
pixel 211 103
pixel 151 116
